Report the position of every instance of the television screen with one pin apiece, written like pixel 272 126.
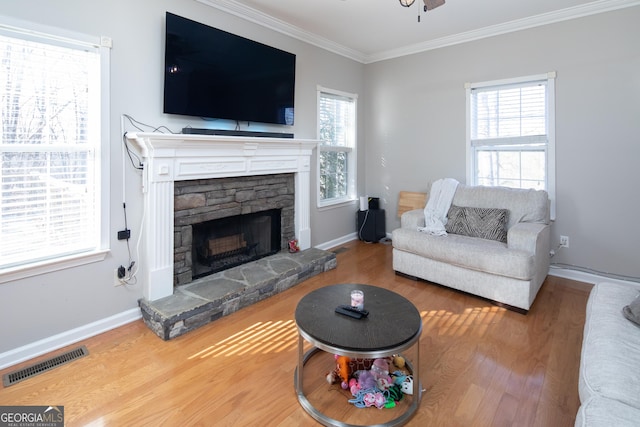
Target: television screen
pixel 211 73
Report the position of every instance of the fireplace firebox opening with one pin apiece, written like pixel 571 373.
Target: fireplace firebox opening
pixel 227 242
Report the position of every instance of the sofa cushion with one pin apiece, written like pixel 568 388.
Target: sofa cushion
pixel 486 223
pixel 478 254
pixel 611 346
pixel 603 412
pixel 524 205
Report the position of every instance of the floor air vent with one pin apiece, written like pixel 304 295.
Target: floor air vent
pixel 15 377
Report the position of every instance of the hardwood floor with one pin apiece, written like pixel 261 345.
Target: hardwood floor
pixel 481 365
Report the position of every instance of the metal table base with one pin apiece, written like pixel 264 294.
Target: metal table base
pixel 298 377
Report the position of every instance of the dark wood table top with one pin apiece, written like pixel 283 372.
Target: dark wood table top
pixel 392 322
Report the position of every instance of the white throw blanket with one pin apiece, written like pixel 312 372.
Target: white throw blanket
pixel 435 212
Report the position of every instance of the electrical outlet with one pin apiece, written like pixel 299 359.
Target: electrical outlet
pixel 564 241
pixel 117 278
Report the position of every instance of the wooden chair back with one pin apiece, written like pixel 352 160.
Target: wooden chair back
pixel 409 200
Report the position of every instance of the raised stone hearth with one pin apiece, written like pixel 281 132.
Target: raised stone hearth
pixel 209 298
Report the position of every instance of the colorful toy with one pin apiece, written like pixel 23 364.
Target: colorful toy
pixel 380 370
pixel 394 395
pixel 353 386
pixel 370 397
pixel 379 399
pixel 407 385
pixel 293 246
pixel 399 361
pixel 370 382
pixel 375 399
pixel 364 380
pixel 342 372
pixel 398 377
pixel 345 367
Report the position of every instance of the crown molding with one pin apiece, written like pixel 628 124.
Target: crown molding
pixel 593 8
pixel 257 17
pixel 235 8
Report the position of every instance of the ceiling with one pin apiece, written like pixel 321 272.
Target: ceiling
pixel 373 30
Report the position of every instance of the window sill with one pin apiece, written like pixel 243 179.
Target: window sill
pixel 35 269
pixel 336 204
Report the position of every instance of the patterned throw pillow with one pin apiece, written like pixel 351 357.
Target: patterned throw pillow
pixel 485 223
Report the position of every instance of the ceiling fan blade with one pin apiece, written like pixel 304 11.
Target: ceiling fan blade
pixel 432 4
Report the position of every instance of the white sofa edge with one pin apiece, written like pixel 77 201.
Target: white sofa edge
pixel 609 378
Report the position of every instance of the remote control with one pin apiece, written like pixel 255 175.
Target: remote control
pixel 347 310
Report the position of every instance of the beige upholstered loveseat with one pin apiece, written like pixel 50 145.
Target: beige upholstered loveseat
pixel 510 273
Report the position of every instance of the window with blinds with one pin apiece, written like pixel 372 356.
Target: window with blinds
pixel 511 133
pixel 336 153
pixel 49 147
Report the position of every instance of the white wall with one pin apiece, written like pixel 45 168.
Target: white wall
pixel 416 126
pixel 48 309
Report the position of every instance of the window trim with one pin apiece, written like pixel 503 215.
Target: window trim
pixel 352 184
pixel 31 31
pixel 550 148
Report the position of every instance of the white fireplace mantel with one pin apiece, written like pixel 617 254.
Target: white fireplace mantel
pixel 176 157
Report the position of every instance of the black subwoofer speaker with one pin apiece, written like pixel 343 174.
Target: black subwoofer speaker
pixel 371 225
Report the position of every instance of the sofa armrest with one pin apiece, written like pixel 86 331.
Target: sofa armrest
pixel 412 219
pixel 529 236
pixel 534 238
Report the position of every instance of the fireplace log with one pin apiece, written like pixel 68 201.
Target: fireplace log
pixel 221 245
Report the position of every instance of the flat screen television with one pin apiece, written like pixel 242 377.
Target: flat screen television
pixel 211 73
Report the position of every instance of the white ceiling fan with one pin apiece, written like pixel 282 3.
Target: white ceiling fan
pixel 428 5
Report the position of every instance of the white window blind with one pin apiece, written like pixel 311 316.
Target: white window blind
pixel 49 148
pixel 337 133
pixel 510 114
pixel 511 133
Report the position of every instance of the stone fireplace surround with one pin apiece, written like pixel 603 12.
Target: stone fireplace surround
pixel 179 157
pixel 200 201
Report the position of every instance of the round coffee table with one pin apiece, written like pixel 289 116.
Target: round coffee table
pixel 392 326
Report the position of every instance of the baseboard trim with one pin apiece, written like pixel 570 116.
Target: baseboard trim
pixel 581 276
pixel 55 342
pixel 337 242
pixel 574 275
